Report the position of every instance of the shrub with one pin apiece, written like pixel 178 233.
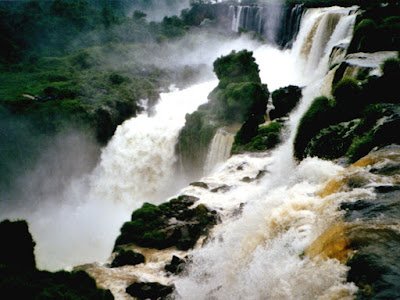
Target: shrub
pixel 319 115
pixel 265 137
pixel 236 67
pixel 284 100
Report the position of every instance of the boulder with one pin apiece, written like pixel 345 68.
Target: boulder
pixel 149 290
pixel 127 258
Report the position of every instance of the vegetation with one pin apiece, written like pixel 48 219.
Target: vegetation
pixel 239 97
pixel 377 28
pixel 284 100
pixel 150 225
pixel 348 125
pixel 265 137
pixel 20 278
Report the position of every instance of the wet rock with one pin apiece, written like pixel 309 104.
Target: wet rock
pixel 149 290
pixel 176 265
pixel 260 175
pixel 387 170
pixel 223 189
pixel 200 184
pixel 174 223
pixel 127 258
pixel 387 188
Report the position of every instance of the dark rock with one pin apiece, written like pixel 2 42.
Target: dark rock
pixel 223 188
pixel 127 258
pixel 387 188
pixel 149 290
pixel 200 184
pixel 388 170
pixel 17 245
pixel 176 265
pixel 260 175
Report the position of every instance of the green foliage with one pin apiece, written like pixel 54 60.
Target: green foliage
pixel 377 28
pixel 266 137
pixel 238 101
pixel 318 116
pixel 235 68
pixel 284 100
pixel 150 225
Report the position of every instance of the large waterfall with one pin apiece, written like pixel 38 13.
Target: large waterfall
pixel 260 254
pixel 282 233
pixel 272 210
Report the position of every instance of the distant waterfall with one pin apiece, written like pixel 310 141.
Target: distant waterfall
pixel 273 21
pixel 220 149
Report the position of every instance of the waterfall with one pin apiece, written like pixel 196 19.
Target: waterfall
pixel 220 149
pixel 322 29
pixel 273 21
pixel 138 163
pixel 259 254
pixel 264 20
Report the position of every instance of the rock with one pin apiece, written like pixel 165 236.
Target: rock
pixel 200 184
pixel 260 174
pixel 223 188
pixel 127 258
pixel 17 245
pixel 174 223
pixel 149 290
pixel 176 265
pixel 284 100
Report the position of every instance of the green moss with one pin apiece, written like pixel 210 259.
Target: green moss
pixel 236 67
pixel 150 225
pixel 284 100
pixel 319 115
pixel 266 137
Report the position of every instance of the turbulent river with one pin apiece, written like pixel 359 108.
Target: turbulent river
pixel 282 233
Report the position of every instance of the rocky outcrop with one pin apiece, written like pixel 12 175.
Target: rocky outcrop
pixel 178 223
pixel 360 65
pixel 149 290
pixel 19 278
pixel 127 258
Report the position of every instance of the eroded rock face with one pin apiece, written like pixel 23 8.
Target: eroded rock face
pixel 175 223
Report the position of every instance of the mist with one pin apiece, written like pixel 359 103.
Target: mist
pixel 67 194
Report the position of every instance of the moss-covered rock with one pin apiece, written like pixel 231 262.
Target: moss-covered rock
pixel 332 142
pixel 284 100
pixel 173 223
pixel 265 137
pixel 235 68
pixel 128 257
pixel 239 97
pixel 320 115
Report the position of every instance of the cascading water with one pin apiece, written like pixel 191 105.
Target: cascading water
pixel 259 254
pixel 264 20
pixel 220 149
pixel 74 226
